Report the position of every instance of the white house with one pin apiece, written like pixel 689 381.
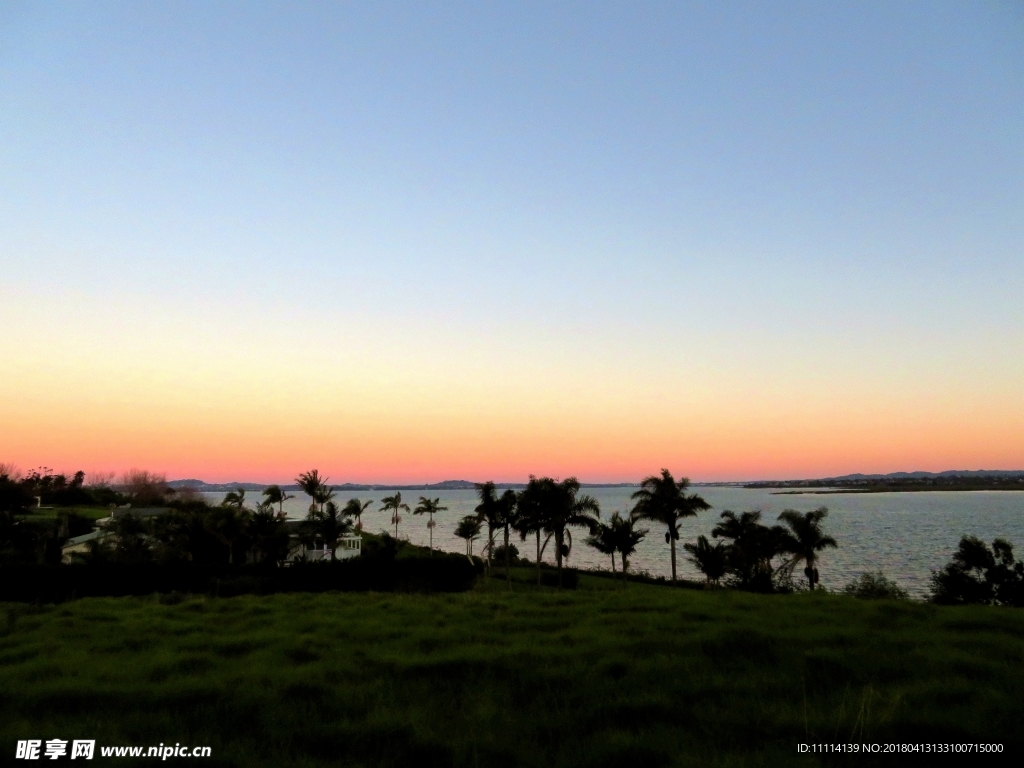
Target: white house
pixel 348 546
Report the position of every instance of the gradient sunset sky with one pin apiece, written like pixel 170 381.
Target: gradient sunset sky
pixel 419 241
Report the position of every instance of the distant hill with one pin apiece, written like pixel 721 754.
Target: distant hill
pixel 947 473
pixel 950 480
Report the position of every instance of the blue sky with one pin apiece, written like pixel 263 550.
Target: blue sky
pixel 826 193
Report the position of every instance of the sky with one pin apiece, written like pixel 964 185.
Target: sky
pixel 408 242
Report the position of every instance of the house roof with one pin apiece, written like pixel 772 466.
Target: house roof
pixel 83 539
pixel 140 511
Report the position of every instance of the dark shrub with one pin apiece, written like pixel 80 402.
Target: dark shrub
pixel 875 586
pixel 980 575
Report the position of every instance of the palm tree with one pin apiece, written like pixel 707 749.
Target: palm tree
pixel 273 494
pixel 230 521
pixel 329 525
pixel 493 511
pixel 710 560
pixel 618 535
pixel 354 508
pixel 394 503
pixel 530 518
pixel 805 539
pixel 311 482
pixel 468 529
pixel 752 547
pixel 561 509
pixel 625 537
pixel 664 500
pixel 235 498
pixel 429 507
pixel 323 495
pixel 602 539
pixel 508 502
pixel 268 535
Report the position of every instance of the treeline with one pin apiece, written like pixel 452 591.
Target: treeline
pixel 41 510
pixel 939 482
pixel 742 552
pixel 749 555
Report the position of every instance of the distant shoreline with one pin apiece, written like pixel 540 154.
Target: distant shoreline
pixel 447 485
pixel 893 490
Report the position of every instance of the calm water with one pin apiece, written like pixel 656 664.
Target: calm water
pixel 905 535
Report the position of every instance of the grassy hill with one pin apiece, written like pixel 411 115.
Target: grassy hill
pixel 604 675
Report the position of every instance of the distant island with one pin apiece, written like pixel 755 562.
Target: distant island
pixel 445 485
pixel 950 480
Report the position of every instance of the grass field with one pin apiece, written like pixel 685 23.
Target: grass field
pixel 52 513
pixel 603 675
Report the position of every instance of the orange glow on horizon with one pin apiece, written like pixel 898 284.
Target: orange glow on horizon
pixel 410 414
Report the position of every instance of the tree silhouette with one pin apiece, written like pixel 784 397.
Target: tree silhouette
pixel 354 508
pixel 395 505
pixel 978 574
pixel 751 549
pixel 323 495
pixel 268 535
pixel 230 521
pixel 805 540
pixel 429 507
pixel 177 535
pixel 468 529
pixel 329 525
pixel 602 539
pixel 664 500
pixel 711 560
pixel 130 535
pixel 496 512
pixel 235 499
pixel 625 538
pixel 273 494
pixel 530 518
pixel 558 509
pixel 508 502
pixel 311 482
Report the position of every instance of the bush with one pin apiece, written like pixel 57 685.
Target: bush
pixel 875 586
pixel 499 554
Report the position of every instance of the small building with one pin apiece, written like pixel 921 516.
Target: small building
pixel 140 512
pixel 304 548
pixel 80 544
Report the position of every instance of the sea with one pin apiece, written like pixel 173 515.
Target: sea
pixel 906 536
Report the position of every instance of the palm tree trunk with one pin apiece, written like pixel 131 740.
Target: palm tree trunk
pixel 431 527
pixel 672 540
pixel 538 557
pixel 613 562
pixel 558 556
pixel 490 549
pixel 508 572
